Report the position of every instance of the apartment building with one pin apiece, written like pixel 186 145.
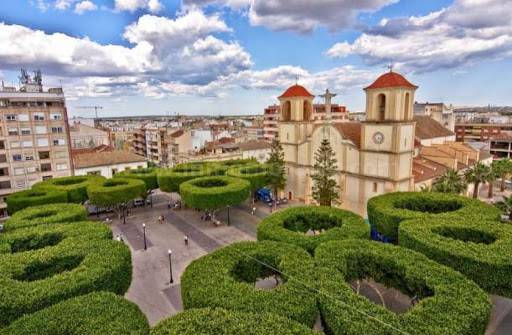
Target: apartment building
pixel 85 136
pixel 440 112
pixel 34 136
pixel 165 147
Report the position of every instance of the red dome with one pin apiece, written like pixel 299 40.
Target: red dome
pixel 296 91
pixel 391 79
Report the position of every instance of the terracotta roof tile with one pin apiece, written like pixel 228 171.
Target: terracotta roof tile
pixel 350 131
pixel 254 145
pixel 427 128
pixel 425 169
pixel 391 79
pixel 296 91
pixel 92 159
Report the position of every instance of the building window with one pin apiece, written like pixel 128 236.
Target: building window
pixel 2 145
pixel 57 130
pixel 23 117
pixel 12 131
pixel 39 116
pixel 44 155
pixel 59 141
pixel 47 177
pixel 29 157
pixel 15 144
pixel 19 171
pixel 10 117
pixel 21 184
pixel 31 169
pixel 42 142
pixel 114 171
pixel 46 167
pixel 381 107
pixel 5 172
pixel 40 130
pixel 94 173
pixel 27 144
pixel 5 185
pixel 375 187
pixel 25 131
pixel 3 158
pixel 61 167
pixel 55 116
pixel 61 154
pixel 17 158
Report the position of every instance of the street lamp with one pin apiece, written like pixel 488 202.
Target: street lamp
pixel 144 230
pixel 170 266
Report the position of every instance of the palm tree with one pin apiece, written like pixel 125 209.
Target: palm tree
pixel 477 175
pixel 450 182
pixel 494 173
pixel 503 168
pixel 506 206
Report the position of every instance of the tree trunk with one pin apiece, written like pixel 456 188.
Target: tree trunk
pixel 475 190
pixel 491 187
pixel 502 184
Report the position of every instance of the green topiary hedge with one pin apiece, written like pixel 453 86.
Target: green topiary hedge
pixel 171 179
pixel 222 322
pixel 21 200
pixel 75 186
pixel 290 226
pixel 256 174
pixel 226 278
pixel 450 303
pixel 115 191
pixel 31 281
pixel 45 215
pixel 98 313
pixel 214 192
pixel 38 237
pixel 149 176
pixel 385 212
pixel 481 251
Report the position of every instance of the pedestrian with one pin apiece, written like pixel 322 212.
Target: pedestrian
pixel 185 239
pixel 253 210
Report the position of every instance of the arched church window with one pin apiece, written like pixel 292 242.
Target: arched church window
pixel 407 103
pixel 306 115
pixel 381 107
pixel 287 111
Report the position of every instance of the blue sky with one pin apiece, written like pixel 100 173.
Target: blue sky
pixel 235 56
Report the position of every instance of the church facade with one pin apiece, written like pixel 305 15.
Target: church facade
pixel 373 157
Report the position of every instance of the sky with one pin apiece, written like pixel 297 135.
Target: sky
pixel 233 57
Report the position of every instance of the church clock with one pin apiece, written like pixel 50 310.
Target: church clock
pixel 378 138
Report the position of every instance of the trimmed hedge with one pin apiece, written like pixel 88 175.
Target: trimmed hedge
pixel 256 174
pixel 21 200
pixel 170 180
pixel 291 224
pixel 38 237
pixel 225 279
pixel 481 251
pixel 214 192
pixel 115 191
pixel 75 186
pixel 46 215
pixel 149 176
pixel 222 322
pixel 31 281
pixel 385 212
pixel 450 303
pixel 92 314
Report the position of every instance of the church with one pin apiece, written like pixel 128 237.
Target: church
pixel 374 156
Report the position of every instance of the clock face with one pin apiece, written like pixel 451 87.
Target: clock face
pixel 378 137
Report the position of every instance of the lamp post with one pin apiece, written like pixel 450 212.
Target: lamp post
pixel 170 265
pixel 144 231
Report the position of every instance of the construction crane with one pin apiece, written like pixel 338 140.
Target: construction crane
pixel 91 107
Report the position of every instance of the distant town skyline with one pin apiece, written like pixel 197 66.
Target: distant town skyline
pixel 212 57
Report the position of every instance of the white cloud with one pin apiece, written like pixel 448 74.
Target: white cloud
pixel 153 6
pixel 64 4
pixel 302 16
pixel 457 36
pixel 85 6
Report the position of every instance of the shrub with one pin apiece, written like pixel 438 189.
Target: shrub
pixel 481 251
pixel 385 212
pixel 115 191
pixel 256 174
pixel 20 200
pixel 226 278
pixel 45 215
pixel 222 322
pixel 31 281
pixel 38 237
pixel 290 226
pixel 214 192
pixel 91 314
pixel 75 186
pixel 148 176
pixel 450 303
pixel 171 179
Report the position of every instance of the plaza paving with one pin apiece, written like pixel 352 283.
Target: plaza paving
pixel 158 299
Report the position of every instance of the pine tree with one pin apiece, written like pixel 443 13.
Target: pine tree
pixel 325 188
pixel 277 176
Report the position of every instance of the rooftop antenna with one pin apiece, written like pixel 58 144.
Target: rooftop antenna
pixel 296 79
pixel 390 67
